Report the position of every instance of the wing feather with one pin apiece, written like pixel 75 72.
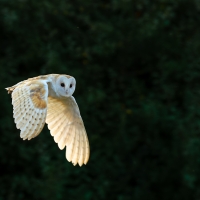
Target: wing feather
pixel 87 149
pixel 67 128
pixel 66 131
pixel 70 147
pixel 29 111
pixel 35 125
pixel 20 120
pixel 75 155
pixel 55 121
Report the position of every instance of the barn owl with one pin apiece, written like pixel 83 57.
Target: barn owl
pixel 49 99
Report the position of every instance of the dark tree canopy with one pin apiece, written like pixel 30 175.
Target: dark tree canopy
pixel 137 67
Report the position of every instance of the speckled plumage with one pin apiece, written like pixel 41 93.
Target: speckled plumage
pixel 49 99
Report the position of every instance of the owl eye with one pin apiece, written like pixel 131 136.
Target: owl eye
pixel 62 85
pixel 70 86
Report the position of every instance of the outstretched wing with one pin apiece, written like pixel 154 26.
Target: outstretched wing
pixel 30 107
pixel 67 128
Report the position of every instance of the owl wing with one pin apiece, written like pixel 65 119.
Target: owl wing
pixel 66 126
pixel 30 107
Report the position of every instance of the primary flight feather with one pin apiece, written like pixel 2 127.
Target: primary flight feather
pixel 49 99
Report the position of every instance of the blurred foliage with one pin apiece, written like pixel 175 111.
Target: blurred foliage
pixel 137 67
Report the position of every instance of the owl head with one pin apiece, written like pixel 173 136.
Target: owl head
pixel 65 85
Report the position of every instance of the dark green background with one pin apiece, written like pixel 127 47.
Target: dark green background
pixel 137 67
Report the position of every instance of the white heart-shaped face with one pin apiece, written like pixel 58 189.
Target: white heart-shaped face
pixel 65 86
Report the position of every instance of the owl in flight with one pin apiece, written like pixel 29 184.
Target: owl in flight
pixel 49 99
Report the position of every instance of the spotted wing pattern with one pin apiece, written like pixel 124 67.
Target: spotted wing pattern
pixel 30 107
pixel 67 128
